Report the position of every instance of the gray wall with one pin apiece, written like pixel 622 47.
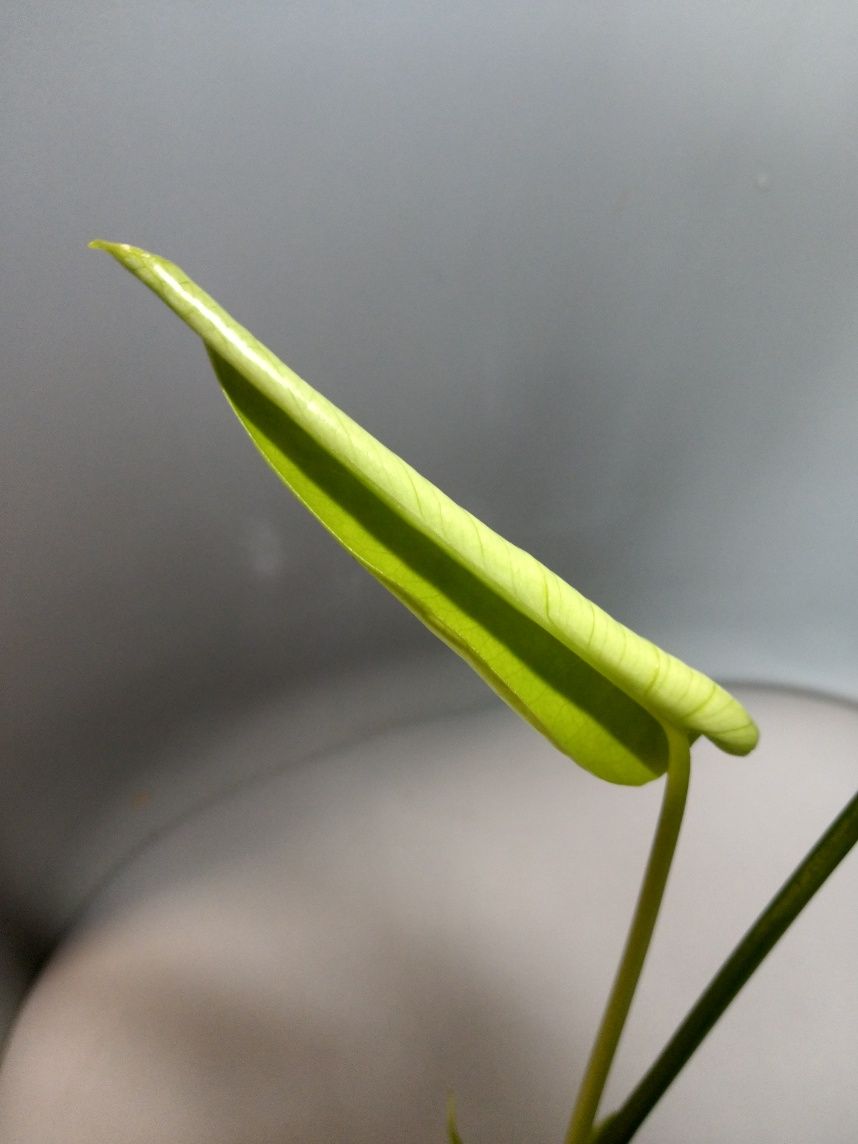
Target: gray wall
pixel 589 267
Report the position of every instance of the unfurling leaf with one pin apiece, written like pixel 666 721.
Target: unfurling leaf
pixel 599 692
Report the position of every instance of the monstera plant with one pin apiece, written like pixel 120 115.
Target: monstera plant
pixel 612 701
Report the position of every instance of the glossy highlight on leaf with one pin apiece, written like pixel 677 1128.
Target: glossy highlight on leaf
pixel 598 691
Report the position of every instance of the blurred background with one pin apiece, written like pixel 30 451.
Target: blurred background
pixel 590 268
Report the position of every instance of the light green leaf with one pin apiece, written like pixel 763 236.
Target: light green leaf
pixel 599 692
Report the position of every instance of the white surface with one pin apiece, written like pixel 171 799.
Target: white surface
pixel 323 954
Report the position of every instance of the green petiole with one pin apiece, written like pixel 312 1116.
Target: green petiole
pixel 638 941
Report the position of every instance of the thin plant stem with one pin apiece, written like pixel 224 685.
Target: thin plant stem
pixel 453 1136
pixel 637 942
pixel 780 913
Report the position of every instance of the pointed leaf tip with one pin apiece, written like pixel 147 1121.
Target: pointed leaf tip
pixel 109 247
